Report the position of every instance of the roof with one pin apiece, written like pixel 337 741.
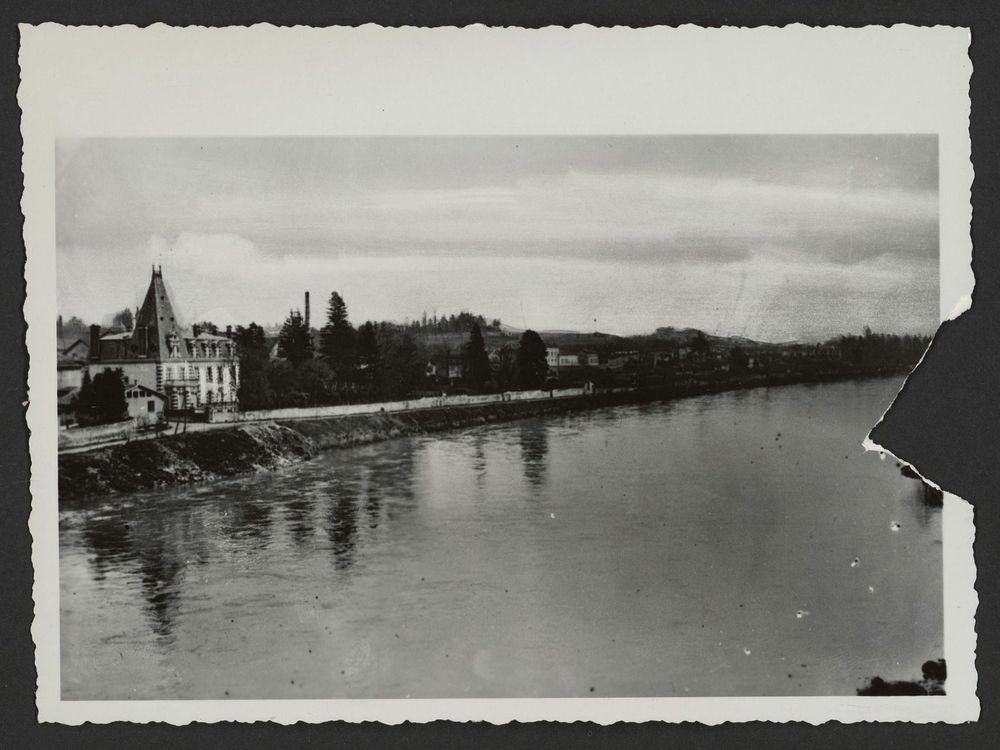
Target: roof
pixel 116 336
pixel 148 391
pixel 157 314
pixel 65 344
pixel 66 396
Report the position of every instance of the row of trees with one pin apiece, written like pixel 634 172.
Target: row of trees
pixel 452 323
pixel 374 362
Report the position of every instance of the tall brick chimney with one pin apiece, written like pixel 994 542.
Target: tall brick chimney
pixel 307 311
pixel 95 341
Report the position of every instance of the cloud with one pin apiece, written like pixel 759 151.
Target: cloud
pixel 773 294
pixel 572 212
pixel 632 232
pixel 635 217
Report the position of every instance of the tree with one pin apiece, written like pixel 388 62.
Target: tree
pixel 208 327
pixel 250 342
pixel 84 402
pixel 368 355
pixel 74 327
pixel 367 344
pixel 294 342
pixel 102 400
pixel 700 344
pixel 506 373
pixel 339 339
pixel 476 361
pixel 531 365
pixel 399 367
pixel 254 390
pixel 738 359
pixel 315 381
pixel 124 319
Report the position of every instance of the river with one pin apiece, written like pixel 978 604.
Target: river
pixel 733 544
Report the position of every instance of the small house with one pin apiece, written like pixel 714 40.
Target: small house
pixel 145 406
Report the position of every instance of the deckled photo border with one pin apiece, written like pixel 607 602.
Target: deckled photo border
pixel 261 80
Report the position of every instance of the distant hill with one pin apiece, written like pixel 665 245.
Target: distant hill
pixel 581 340
pixel 684 336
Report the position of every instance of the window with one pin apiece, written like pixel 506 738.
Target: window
pixel 151 406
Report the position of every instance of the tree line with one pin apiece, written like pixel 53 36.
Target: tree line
pixel 460 323
pixel 376 361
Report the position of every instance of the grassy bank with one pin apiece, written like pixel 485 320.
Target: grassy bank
pixel 201 456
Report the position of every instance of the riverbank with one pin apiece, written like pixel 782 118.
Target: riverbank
pixel 264 446
pixel 216 454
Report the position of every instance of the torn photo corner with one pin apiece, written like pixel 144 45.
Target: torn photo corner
pixel 492 374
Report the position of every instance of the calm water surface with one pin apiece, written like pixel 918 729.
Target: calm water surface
pixel 702 547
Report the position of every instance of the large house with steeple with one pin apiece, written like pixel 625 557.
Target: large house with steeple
pixel 193 370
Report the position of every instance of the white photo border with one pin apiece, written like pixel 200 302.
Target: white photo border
pixel 369 80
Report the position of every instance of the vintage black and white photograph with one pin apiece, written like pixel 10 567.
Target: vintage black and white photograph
pixel 339 420
pixel 493 417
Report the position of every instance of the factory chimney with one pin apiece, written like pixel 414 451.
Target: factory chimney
pixel 307 311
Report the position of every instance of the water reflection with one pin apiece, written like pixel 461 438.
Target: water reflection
pixel 109 540
pixel 160 572
pixel 479 458
pixel 373 506
pixel 298 516
pixel 150 557
pixel 534 440
pixel 709 544
pixel 342 524
pixel 390 479
pixel 250 520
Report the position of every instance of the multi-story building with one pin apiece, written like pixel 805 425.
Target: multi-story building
pixel 552 357
pixel 191 369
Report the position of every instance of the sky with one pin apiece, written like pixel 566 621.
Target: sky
pixel 771 237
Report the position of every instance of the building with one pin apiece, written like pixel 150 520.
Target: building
pixel 190 369
pixel 145 406
pixel 568 359
pixel 71 358
pixel 552 357
pixel 622 360
pixel 66 406
pixel 73 350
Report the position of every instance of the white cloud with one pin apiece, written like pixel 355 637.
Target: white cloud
pixel 747 248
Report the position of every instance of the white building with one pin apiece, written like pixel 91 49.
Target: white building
pixel 192 370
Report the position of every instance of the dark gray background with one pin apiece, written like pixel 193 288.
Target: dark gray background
pixel 947 422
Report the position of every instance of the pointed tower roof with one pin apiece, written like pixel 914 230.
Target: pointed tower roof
pixel 157 314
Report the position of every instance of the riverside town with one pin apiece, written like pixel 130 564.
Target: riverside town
pixel 493 417
pixel 146 376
